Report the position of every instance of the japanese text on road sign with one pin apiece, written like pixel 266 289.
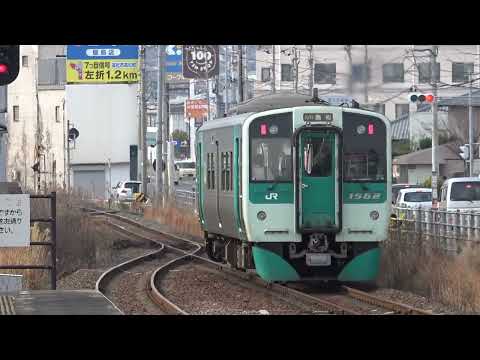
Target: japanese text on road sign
pixel 14 220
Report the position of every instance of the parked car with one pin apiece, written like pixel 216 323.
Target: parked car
pixel 127 190
pixel 186 168
pixel 397 187
pixel 460 194
pixel 414 198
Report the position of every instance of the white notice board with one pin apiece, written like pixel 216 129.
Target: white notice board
pixel 14 220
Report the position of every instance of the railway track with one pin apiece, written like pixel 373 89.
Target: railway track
pixel 348 301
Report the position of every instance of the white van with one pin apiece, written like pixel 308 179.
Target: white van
pixel 460 194
pixel 186 168
pixel 415 198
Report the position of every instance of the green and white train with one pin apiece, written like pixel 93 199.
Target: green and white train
pixel 295 190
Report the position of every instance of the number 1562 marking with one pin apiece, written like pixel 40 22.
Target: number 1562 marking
pixel 364 196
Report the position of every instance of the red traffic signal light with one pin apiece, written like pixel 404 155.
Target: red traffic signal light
pixel 9 63
pixel 419 97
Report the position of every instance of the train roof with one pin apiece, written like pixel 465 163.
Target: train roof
pixel 274 101
pixel 266 103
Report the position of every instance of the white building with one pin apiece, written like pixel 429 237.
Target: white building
pixel 36 120
pixel 106 116
pixel 340 69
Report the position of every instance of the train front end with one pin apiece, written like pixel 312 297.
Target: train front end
pixel 316 192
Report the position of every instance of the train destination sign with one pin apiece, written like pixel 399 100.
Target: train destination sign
pixel 14 220
pixel 325 117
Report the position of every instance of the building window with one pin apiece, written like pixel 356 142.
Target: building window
pixel 379 108
pixel 424 74
pixel 325 73
pixel 266 74
pixel 359 71
pixel 401 109
pixel 25 61
pixel 460 71
pixel 412 166
pixel 393 72
pixel 57 114
pixel 16 113
pixel 287 72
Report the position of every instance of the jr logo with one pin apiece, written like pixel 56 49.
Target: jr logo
pixel 271 196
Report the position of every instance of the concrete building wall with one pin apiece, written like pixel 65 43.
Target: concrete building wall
pixel 419 174
pixel 106 118
pixel 21 131
pixel 378 55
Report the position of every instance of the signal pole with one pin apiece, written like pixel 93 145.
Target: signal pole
pixel 208 83
pixel 160 92
pixel 433 61
pixel 365 75
pixel 470 127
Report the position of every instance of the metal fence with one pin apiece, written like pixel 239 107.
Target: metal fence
pixel 185 199
pixel 446 229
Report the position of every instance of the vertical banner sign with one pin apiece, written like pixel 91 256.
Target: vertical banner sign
pixel 199 60
pixel 102 64
pixel 14 220
pixel 133 162
pixel 173 63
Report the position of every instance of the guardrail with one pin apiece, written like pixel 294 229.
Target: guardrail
pixel 443 228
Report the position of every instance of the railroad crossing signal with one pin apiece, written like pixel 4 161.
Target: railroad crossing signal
pixel 421 97
pixel 465 152
pixel 9 63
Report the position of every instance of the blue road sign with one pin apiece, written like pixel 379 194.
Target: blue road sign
pixel 174 59
pixel 102 52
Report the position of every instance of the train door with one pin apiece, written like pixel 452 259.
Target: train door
pixel 318 189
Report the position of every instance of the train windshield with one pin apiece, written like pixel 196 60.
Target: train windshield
pixel 271 148
pixel 364 148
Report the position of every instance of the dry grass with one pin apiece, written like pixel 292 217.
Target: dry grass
pixel 416 265
pixel 179 220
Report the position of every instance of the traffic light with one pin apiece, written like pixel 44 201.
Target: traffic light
pixel 465 152
pixel 9 63
pixel 421 97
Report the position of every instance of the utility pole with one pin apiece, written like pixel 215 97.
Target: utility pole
pixel 208 83
pixel 227 75
pixel 143 119
pixel 274 69
pixel 160 92
pixel 311 63
pixel 348 49
pixel 166 139
pixel 470 126
pixel 218 96
pixel 433 61
pixel 68 157
pixel 365 75
pixel 240 73
pixel 295 68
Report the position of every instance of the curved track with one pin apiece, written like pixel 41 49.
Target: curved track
pixel 348 301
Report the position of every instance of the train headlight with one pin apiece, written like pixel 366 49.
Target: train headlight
pixel 261 215
pixel 374 215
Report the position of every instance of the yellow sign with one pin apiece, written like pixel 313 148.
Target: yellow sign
pixel 102 71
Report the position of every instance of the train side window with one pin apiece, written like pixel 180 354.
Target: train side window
pixel 208 171
pixel 213 171
pixel 230 170
pixel 223 171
